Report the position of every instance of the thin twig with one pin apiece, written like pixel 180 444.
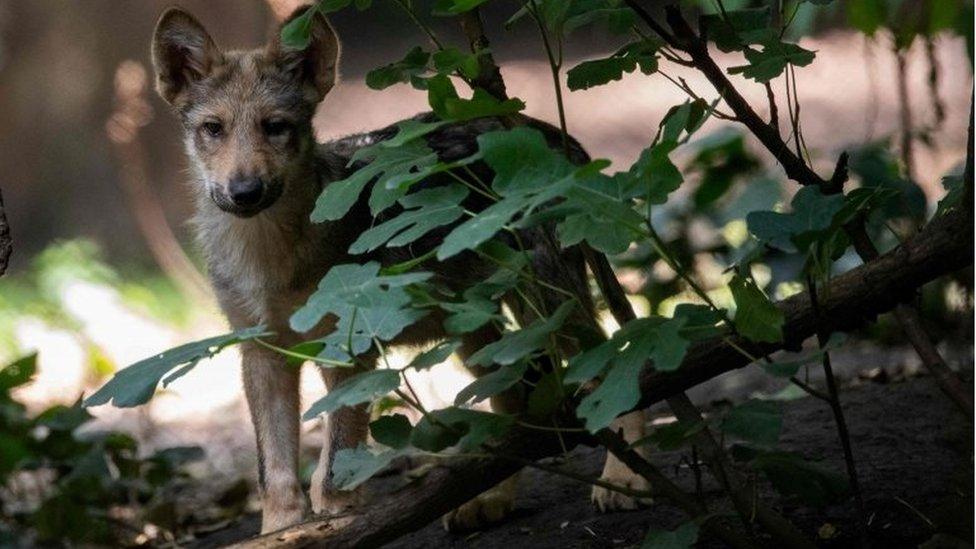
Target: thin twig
pixel 663 486
pixel 773 108
pixel 555 64
pixel 845 438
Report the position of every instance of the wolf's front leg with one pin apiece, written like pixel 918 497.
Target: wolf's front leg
pixel 346 427
pixel 615 472
pixel 272 396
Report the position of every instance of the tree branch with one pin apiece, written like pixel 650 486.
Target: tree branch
pixel 489 75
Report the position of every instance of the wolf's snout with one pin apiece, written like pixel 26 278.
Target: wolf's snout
pixel 246 191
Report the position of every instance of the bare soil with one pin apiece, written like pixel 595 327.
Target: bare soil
pixel 914 454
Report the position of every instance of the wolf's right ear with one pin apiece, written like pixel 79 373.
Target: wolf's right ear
pixel 182 52
pixel 317 64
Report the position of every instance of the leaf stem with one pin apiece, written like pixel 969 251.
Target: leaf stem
pixel 554 66
pixel 302 356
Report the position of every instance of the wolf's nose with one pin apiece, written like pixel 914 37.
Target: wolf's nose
pixel 246 191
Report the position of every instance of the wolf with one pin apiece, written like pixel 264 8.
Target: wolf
pixel 257 170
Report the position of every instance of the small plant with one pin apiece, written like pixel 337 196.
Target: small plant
pixel 62 485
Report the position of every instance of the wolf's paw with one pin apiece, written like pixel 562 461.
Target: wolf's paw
pixel 488 508
pixel 283 508
pixel 334 502
pixel 619 474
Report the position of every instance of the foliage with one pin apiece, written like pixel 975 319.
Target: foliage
pixel 85 474
pixel 629 213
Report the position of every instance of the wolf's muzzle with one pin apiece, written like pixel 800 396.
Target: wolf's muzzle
pixel 246 192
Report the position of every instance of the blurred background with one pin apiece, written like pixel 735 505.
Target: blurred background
pixel 105 272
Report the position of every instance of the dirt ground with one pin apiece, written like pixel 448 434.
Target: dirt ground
pixel 914 454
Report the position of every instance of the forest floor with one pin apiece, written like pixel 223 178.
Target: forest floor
pixel 914 455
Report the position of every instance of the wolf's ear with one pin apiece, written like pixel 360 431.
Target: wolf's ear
pixel 182 52
pixel 316 65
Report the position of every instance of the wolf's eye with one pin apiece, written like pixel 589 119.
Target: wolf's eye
pixel 275 127
pixel 212 128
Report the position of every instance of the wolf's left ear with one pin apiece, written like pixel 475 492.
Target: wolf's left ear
pixel 182 53
pixel 317 65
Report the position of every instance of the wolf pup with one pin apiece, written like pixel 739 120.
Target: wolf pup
pixel 247 128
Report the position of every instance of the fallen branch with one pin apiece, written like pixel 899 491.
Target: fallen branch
pixel 944 246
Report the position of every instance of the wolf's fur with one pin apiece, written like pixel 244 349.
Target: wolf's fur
pixel 266 257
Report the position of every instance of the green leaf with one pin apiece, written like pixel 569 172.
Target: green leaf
pixel 756 421
pixel 669 347
pixel 491 384
pixel 661 340
pixel 438 354
pixel 655 339
pixel 522 160
pixel 737 28
pixel 350 286
pixel 544 398
pixel 369 306
pixel 625 60
pixel 451 59
pixel 136 384
pixel 876 167
pixel 792 475
pixel 446 104
pixel 467 429
pixel 813 213
pixel 354 466
pixel 722 159
pixel 517 345
pixel 681 537
pixel 654 169
pixel 64 418
pixel 393 431
pixel 413 64
pixel 360 388
pixel 528 176
pixel 17 373
pixel 297 34
pixel 473 232
pixel 410 129
pixel 423 212
pixel 699 321
pixel 672 436
pixel 756 317
pixel 600 210
pixel 471 314
pixel 393 168
pixel 617 393
pixel 770 62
